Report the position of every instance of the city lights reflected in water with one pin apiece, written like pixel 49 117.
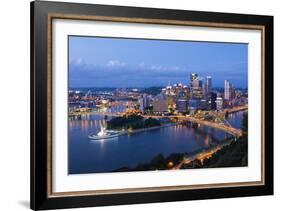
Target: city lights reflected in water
pixel 105 155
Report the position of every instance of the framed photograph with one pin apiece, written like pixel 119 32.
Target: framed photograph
pixel 140 105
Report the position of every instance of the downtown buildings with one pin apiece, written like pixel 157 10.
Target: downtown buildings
pixel 229 90
pixel 172 99
pixel 184 99
pixel 198 94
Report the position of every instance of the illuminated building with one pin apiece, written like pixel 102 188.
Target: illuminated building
pixel 219 103
pixel 193 77
pixel 213 101
pixel 227 88
pixel 208 85
pixel 160 104
pixel 146 100
pixel 196 86
pixel 141 104
pixel 229 91
pixel 203 104
pixel 193 104
pixel 181 105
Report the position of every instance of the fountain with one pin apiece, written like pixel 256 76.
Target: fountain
pixel 104 134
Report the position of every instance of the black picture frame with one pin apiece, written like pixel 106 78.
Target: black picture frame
pixel 40 132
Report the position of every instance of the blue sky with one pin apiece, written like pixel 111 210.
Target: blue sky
pixel 114 62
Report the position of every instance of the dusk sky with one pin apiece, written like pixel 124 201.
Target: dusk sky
pixel 112 62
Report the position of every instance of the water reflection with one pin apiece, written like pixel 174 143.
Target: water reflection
pixel 88 156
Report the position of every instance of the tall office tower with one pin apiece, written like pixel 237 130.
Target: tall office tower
pixel 227 90
pixel 146 100
pixel 196 85
pixel 233 92
pixel 141 104
pixel 219 103
pixel 181 105
pixel 193 77
pixel 160 104
pixel 213 101
pixel 208 85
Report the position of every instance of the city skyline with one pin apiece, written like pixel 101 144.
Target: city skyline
pixel 93 63
pixel 146 105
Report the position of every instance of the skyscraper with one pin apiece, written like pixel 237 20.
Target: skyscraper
pixel 141 104
pixel 196 86
pixel 160 104
pixel 208 85
pixel 193 77
pixel 146 100
pixel 213 100
pixel 227 90
pixel 181 105
pixel 219 103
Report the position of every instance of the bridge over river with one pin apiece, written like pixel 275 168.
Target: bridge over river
pixel 227 128
pixel 223 125
pixel 220 126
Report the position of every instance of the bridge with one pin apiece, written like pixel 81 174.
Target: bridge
pixel 220 126
pixel 201 156
pixel 115 114
pixel 235 109
pixel 77 113
pixel 221 123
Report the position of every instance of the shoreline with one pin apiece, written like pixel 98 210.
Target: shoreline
pixel 155 127
pixel 149 128
pixel 73 114
pixel 205 153
pixel 127 132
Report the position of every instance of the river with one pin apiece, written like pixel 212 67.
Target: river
pixel 95 156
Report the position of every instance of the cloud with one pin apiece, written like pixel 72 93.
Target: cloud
pixel 166 68
pixel 77 61
pixel 160 68
pixel 116 63
pixel 119 73
pixel 116 68
pixel 156 67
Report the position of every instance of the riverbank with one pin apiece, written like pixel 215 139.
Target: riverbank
pixel 151 150
pixel 149 128
pixel 129 132
pixel 205 154
pixel 229 154
pixel 232 152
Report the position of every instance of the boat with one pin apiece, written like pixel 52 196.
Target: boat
pixel 104 134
